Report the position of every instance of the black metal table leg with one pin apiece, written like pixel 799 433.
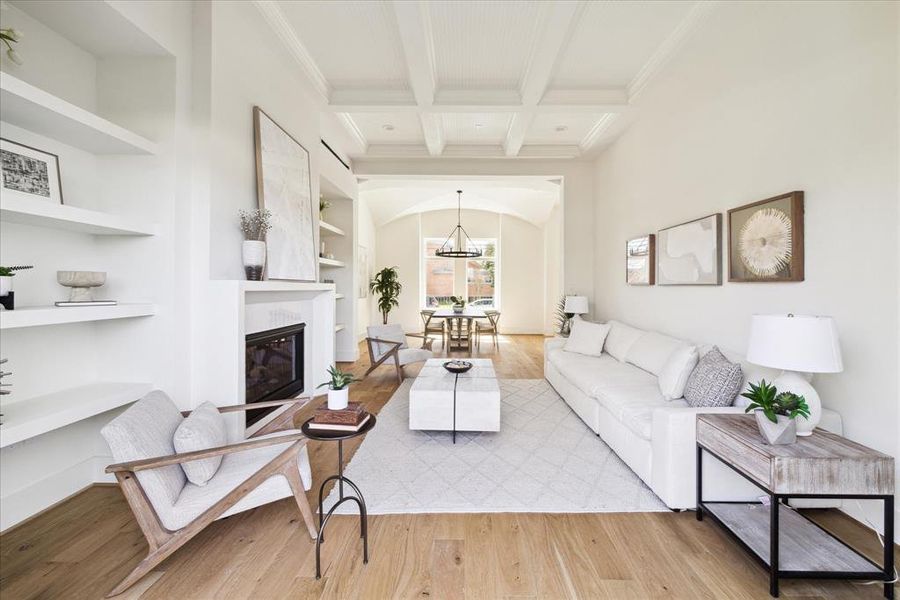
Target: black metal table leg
pixel 455 381
pixel 773 545
pixel 888 546
pixel 699 482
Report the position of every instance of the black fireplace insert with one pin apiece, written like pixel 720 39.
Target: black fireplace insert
pixel 274 367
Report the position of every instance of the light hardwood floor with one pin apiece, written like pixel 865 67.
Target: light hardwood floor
pixel 84 546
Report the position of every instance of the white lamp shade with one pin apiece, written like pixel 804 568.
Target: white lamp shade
pixel 577 305
pixel 802 343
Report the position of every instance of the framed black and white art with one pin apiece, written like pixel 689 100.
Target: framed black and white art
pixel 690 253
pixel 29 173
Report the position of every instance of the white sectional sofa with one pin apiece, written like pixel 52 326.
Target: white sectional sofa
pixel 655 437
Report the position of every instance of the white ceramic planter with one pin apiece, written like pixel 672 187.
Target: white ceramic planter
pixel 253 253
pixel 777 434
pixel 5 285
pixel 338 399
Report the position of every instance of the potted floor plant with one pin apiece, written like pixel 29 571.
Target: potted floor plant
pixel 388 287
pixel 255 224
pixel 338 388
pixel 776 413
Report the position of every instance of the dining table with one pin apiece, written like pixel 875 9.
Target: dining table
pixel 468 314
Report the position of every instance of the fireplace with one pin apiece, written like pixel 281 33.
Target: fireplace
pixel 273 367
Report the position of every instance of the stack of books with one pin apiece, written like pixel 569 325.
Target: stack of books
pixel 348 419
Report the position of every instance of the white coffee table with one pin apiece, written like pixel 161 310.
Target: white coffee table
pixel 476 406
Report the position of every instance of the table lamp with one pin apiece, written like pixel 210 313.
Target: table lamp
pixel 796 344
pixel 575 306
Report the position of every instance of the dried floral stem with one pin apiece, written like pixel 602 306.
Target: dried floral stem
pixel 255 224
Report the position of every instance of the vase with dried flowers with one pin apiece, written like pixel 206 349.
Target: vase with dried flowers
pixel 254 225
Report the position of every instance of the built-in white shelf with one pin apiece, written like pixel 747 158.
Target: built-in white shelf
pixel 31 108
pixel 285 286
pixel 339 296
pixel 36 316
pixel 70 218
pixel 24 419
pixel 330 262
pixel 338 327
pixel 329 229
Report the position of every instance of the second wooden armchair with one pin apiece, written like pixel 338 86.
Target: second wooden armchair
pixel 388 343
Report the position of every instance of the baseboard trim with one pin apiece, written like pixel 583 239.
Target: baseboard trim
pixel 41 512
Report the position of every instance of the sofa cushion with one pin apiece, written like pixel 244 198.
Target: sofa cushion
pixel 204 428
pixel 633 406
pixel 586 337
pixel 751 373
pixel 639 417
pixel 651 351
pixel 674 375
pixel 620 339
pixel 715 381
pixel 593 373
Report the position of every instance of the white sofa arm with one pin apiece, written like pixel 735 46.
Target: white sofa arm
pixel 674 439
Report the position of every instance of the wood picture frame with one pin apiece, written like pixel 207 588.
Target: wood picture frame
pixel 29 173
pixel 284 187
pixel 766 240
pixel 690 253
pixel 640 260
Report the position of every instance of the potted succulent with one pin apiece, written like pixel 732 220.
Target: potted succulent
pixel 388 287
pixel 776 413
pixel 338 388
pixel 6 279
pixel 459 304
pixel 255 224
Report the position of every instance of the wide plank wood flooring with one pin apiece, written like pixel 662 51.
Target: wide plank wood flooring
pixel 85 545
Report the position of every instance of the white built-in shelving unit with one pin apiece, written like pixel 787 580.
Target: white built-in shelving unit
pixel 23 211
pixel 337 232
pixel 38 316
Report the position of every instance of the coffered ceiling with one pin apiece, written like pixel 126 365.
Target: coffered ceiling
pixel 480 78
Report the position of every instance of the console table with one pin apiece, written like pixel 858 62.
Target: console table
pixel 823 465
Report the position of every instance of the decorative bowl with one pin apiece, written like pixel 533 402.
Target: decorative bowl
pixel 81 283
pixel 457 366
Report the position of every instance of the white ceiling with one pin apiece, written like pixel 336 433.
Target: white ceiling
pixel 490 77
pixel 529 198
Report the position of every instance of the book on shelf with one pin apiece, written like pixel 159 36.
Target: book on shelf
pixel 88 303
pixel 338 426
pixel 351 415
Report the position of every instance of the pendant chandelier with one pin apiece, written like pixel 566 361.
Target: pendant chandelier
pixel 463 248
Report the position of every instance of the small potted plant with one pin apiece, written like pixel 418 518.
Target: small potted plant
pixel 6 279
pixel 776 413
pixel 255 224
pixel 459 304
pixel 338 388
pixel 323 206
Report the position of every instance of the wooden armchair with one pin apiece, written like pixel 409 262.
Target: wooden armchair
pixel 170 510
pixel 389 342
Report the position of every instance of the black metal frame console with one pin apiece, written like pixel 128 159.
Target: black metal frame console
pixel 777 504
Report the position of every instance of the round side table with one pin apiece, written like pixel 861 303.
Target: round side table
pixel 339 436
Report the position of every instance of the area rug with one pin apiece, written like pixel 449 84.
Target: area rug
pixel 543 459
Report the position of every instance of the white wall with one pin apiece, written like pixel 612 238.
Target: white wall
pixel 520 264
pixel 367 239
pixel 767 98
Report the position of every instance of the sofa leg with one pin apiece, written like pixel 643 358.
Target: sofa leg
pixel 675 510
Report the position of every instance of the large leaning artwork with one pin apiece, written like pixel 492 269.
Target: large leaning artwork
pixel 690 253
pixel 283 186
pixel 765 240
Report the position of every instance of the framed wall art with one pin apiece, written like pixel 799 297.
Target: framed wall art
pixel 29 173
pixel 690 253
pixel 640 260
pixel 283 186
pixel 765 240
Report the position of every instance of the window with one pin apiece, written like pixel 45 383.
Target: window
pixel 481 275
pixel 439 275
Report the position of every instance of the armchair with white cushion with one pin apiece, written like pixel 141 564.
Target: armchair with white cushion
pixel 161 485
pixel 388 342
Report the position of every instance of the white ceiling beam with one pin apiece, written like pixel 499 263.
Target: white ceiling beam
pixel 414 25
pixel 596 109
pixel 558 21
pixel 476 151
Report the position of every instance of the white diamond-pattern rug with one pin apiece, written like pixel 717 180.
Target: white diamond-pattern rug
pixel 543 459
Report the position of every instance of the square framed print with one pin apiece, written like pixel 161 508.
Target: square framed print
pixel 765 240
pixel 640 260
pixel 283 186
pixel 690 253
pixel 29 172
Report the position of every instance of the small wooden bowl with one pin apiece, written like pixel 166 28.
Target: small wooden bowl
pixel 457 366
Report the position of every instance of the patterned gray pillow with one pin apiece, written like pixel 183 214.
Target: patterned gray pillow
pixel 715 381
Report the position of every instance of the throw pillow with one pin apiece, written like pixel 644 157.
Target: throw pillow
pixel 621 337
pixel 673 377
pixel 204 428
pixel 586 337
pixel 715 382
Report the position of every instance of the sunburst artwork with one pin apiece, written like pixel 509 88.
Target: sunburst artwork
pixel 766 240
